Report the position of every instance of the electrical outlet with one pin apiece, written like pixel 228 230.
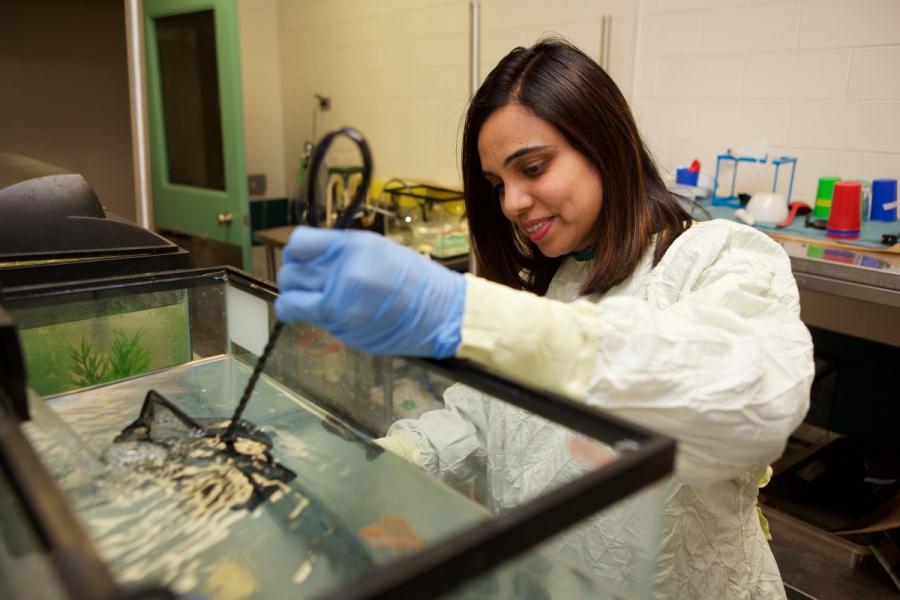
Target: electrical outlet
pixel 257 184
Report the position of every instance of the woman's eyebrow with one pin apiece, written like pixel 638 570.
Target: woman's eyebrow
pixel 521 152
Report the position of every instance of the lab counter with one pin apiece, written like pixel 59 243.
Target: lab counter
pixel 849 287
pixel 850 300
pixel 847 291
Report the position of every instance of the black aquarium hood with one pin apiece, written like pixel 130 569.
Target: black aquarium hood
pixel 53 228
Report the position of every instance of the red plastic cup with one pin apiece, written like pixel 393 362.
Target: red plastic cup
pixel 844 217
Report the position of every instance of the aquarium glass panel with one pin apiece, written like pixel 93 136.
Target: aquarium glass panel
pixel 90 342
pixel 207 317
pixel 22 562
pixel 162 513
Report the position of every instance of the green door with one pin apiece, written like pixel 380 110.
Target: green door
pixel 196 120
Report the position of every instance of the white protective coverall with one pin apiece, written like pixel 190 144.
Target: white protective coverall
pixel 707 347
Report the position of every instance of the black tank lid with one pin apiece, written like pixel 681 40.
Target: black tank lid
pixel 48 212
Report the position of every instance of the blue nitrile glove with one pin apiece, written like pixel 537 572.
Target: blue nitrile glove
pixel 371 293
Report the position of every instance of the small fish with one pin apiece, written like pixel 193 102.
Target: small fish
pixel 392 532
pixel 590 453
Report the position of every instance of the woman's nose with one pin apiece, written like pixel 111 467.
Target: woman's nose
pixel 515 200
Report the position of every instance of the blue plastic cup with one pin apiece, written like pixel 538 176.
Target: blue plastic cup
pixel 884 200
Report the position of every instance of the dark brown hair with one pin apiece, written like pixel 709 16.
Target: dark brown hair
pixel 570 91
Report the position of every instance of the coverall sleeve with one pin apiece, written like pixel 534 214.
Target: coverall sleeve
pixel 448 442
pixel 715 355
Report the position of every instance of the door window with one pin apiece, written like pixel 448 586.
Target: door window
pixel 190 97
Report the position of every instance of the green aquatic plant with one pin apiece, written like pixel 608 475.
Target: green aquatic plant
pixel 128 356
pixel 89 367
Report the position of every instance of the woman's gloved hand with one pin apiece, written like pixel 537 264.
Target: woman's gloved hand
pixel 371 293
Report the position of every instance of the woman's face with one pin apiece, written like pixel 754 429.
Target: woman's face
pixel 546 187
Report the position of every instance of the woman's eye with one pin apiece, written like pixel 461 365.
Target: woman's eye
pixel 534 169
pixel 498 187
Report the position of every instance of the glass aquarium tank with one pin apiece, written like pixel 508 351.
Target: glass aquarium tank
pixel 126 457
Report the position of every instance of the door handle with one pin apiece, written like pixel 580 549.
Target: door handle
pixel 224 218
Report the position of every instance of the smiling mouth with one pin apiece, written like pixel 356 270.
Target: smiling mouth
pixel 536 230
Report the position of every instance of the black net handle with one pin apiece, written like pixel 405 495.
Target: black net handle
pixel 315 162
pixel 343 222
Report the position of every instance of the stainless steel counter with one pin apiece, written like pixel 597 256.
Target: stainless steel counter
pixel 848 291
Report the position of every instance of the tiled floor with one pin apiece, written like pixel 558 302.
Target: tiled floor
pixel 811 570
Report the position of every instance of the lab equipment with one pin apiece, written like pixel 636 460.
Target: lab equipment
pixel 768 207
pixel 844 216
pixel 732 198
pixel 688 175
pixel 824 194
pixel 884 200
pixel 797 207
pixel 428 218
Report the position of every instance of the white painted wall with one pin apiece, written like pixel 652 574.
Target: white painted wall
pixel 261 80
pixel 816 79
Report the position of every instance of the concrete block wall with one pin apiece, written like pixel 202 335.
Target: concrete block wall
pixel 816 79
pixel 398 70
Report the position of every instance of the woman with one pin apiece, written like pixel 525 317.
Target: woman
pixel 594 283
